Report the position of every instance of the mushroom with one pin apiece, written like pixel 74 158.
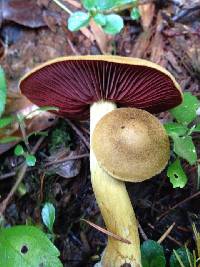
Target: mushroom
pixel 78 85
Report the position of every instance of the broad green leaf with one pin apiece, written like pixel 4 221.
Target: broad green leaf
pixel 114 24
pixel 6 121
pixel 186 112
pixel 19 151
pixel 105 4
pixel 3 91
pixel 175 128
pixel 135 13
pixel 89 4
pixel 184 256
pixel 30 160
pixel 184 147
pixel 9 139
pixel 100 19
pixel 27 246
pixel 48 216
pixel 152 254
pixel 78 20
pixel 176 174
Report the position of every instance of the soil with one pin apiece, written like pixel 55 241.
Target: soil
pixel 165 35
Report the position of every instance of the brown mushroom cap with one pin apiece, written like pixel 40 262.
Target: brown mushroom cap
pixel 74 83
pixel 131 144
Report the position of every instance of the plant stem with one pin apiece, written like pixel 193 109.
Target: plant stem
pixel 62 6
pixel 115 206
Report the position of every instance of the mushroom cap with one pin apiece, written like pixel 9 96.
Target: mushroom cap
pixel 131 144
pixel 74 83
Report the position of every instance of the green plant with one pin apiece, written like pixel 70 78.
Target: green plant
pixel 153 256
pixel 3 91
pixel 186 123
pixel 27 245
pixel 103 12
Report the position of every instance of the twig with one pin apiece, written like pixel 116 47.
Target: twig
pixel 107 232
pixel 67 159
pixel 11 174
pixel 79 133
pixel 169 236
pixel 20 177
pixel 166 233
pixel 177 205
pixel 62 6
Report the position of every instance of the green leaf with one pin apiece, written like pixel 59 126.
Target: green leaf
pixel 3 91
pixel 78 20
pixel 114 24
pixel 48 216
pixel 19 151
pixel 135 13
pixel 183 255
pixel 100 19
pixel 152 254
pixel 9 139
pixel 175 128
pixel 27 246
pixel 105 4
pixel 176 174
pixel 185 113
pixel 30 160
pixel 6 121
pixel 184 147
pixel 89 4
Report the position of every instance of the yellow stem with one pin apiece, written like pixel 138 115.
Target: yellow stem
pixel 115 206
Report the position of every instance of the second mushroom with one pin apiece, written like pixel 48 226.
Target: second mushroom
pixel 77 85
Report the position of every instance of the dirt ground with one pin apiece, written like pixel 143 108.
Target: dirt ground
pixel 165 35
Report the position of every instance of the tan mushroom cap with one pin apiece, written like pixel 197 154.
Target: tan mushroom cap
pixel 131 144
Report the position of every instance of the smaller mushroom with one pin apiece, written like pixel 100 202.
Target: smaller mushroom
pixel 130 145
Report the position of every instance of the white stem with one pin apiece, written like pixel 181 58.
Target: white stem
pixel 115 206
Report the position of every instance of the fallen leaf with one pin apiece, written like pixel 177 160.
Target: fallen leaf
pixel 23 12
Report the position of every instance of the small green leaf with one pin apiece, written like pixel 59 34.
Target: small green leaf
pixel 152 254
pixel 184 147
pixel 175 128
pixel 19 151
pixel 3 91
pixel 6 121
pixel 183 257
pixel 27 246
pixel 30 160
pixel 89 4
pixel 105 4
pixel 100 19
pixel 135 13
pixel 9 139
pixel 114 24
pixel 185 113
pixel 176 174
pixel 48 216
pixel 78 20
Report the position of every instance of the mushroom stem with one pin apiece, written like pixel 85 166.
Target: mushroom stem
pixel 115 206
